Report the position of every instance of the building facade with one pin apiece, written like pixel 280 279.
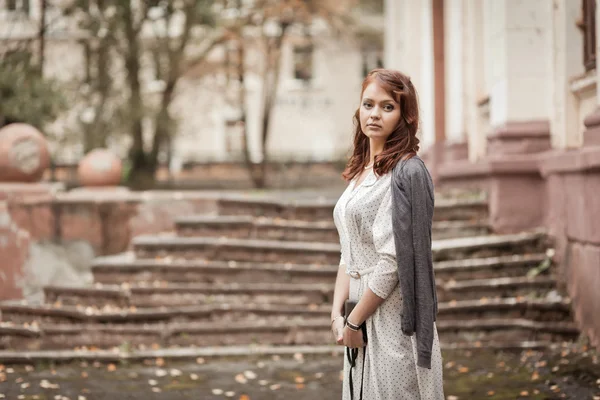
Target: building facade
pixel 509 100
pixel 317 95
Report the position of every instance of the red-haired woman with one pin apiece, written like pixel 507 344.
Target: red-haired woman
pixel 384 222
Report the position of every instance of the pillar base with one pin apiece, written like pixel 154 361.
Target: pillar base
pixel 591 135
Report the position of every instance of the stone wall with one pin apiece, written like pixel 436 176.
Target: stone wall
pixel 49 236
pixel 230 175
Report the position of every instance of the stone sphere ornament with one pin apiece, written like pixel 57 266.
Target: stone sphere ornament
pixel 24 154
pixel 100 167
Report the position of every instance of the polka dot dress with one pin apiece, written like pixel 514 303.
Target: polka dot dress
pixel 363 217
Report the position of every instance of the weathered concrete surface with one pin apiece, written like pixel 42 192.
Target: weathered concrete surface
pixel 564 372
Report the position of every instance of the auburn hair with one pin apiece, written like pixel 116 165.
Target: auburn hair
pixel 402 141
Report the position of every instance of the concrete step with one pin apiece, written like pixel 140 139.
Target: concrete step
pixel 305 210
pixel 505 330
pixel 489 246
pixel 20 313
pixel 322 210
pixel 224 249
pixel 247 227
pixel 208 353
pixel 496 287
pixel 488 267
pixel 505 308
pixel 184 294
pixel 271 251
pixel 49 335
pixel 125 268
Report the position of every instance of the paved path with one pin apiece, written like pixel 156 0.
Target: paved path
pixel 565 373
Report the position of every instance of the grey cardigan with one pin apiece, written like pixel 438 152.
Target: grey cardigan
pixel 412 217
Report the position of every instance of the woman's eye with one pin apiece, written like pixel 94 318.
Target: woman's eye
pixel 389 108
pixel 367 105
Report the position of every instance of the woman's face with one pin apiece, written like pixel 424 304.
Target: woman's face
pixel 379 112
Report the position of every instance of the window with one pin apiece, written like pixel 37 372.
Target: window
pixel 303 62
pixel 18 5
pixel 370 61
pixel 588 27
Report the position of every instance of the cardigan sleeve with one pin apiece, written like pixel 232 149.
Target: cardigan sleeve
pixel 421 197
pixel 384 278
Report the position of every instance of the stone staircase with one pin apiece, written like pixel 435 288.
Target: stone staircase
pixel 262 272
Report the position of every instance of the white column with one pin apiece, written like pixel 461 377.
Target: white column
pixel 474 78
pixel 409 48
pixel 520 54
pixel 454 25
pixel 567 62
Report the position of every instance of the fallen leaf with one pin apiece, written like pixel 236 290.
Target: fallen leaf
pixel 194 377
pixel 263 382
pixel 199 360
pixel 160 362
pixel 160 372
pixel 229 394
pixel 524 393
pixel 275 386
pixel 491 393
pixel 156 389
pixel 240 378
pixel 299 379
pixel 111 367
pixel 535 376
pixel 152 382
pixel 217 392
pixel 250 375
pixel 244 397
pixel 463 370
pixel 175 372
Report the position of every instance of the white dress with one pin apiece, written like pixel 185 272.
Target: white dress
pixel 363 217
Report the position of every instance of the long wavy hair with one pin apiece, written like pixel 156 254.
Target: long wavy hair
pixel 402 141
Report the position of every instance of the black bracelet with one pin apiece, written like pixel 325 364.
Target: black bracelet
pixel 352 327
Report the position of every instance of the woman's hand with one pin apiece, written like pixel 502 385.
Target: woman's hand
pixel 337 329
pixel 353 339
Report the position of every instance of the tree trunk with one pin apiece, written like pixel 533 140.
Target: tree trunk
pixel 270 86
pixel 143 169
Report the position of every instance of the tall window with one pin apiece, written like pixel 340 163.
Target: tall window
pixel 588 27
pixel 303 62
pixel 18 5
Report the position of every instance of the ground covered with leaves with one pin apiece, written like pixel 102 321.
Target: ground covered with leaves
pixel 566 372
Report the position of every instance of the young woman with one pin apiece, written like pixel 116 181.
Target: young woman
pixel 384 222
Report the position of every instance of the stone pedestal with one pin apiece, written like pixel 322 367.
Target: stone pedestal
pixel 24 154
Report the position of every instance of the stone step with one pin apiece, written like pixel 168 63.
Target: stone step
pixel 489 246
pixel 125 268
pixel 19 313
pixel 500 330
pixel 307 210
pixel 247 227
pixel 322 210
pixel 208 353
pixel 173 294
pixel 505 308
pixel 487 268
pixel 224 249
pixel 218 333
pixel 496 287
pixel 219 353
pixel 272 251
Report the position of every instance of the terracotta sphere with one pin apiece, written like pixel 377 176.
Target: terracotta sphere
pixel 100 167
pixel 24 154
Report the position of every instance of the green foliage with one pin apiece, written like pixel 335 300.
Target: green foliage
pixel 25 96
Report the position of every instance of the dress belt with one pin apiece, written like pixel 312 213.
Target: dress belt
pixel 362 272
